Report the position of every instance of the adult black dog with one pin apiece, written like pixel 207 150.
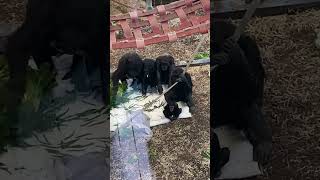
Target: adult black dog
pixel 237 88
pixel 165 65
pixel 130 65
pixel 75 26
pixel 182 91
pixel 172 111
pixel 150 77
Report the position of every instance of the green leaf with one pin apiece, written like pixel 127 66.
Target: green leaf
pixel 206 154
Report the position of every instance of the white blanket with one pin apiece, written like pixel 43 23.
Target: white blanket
pixel 136 101
pixel 241 164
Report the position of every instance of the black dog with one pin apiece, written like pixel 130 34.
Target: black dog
pixel 172 111
pixel 150 76
pixel 181 91
pixel 220 155
pixel 237 88
pixel 130 66
pixel 165 65
pixel 47 21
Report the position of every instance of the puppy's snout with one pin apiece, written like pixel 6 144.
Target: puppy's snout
pixel 171 108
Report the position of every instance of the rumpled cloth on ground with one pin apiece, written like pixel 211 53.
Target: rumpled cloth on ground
pixel 129 151
pixel 137 101
pixel 90 166
pixel 241 164
pixel 73 150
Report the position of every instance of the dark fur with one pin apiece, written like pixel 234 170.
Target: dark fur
pixel 44 56
pixel 181 91
pixel 237 88
pixel 172 111
pixel 50 21
pixel 130 66
pixel 220 155
pixel 165 65
pixel 150 76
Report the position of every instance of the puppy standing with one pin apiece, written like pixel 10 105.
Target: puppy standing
pixel 165 65
pixel 129 66
pixel 150 77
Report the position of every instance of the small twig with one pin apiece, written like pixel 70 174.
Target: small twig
pixel 245 20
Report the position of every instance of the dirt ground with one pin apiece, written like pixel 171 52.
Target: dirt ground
pixel 176 148
pixel 292 92
pixel 12 11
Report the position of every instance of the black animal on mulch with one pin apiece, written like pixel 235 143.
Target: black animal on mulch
pixel 165 65
pixel 182 91
pixel 237 88
pixel 130 66
pixel 150 77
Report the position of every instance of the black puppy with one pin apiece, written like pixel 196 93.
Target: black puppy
pixel 181 91
pixel 150 76
pixel 130 66
pixel 50 21
pixel 165 65
pixel 237 88
pixel 172 111
pixel 219 155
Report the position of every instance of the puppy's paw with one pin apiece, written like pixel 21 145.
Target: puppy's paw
pixel 144 93
pixel 160 90
pixel 191 109
pixel 262 152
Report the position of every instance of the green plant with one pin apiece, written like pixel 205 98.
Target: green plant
pixel 206 154
pixel 202 55
pixel 152 153
pixel 38 84
pixel 120 96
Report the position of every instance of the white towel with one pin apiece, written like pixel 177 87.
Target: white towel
pixel 136 101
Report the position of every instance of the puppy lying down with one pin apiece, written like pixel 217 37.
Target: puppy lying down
pixel 137 101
